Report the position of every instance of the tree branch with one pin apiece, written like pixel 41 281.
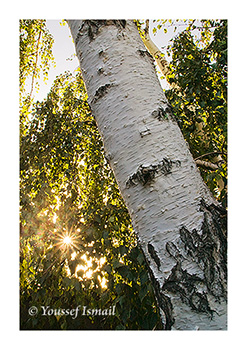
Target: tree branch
pixel 206 165
pixel 209 154
pixel 155 52
pixel 36 62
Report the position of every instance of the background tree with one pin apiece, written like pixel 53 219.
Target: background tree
pixel 199 98
pixel 35 57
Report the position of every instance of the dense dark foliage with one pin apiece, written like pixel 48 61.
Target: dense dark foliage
pixel 198 95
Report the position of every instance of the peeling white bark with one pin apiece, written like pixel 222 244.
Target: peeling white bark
pixel 157 176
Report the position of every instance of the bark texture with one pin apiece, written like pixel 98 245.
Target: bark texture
pixel 181 229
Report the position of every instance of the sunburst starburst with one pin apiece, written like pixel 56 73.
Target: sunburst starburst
pixel 67 241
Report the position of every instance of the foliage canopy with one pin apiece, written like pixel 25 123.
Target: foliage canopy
pixel 198 96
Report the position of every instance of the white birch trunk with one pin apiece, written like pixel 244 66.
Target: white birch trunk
pixel 179 224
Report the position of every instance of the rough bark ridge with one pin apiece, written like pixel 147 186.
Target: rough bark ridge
pixel 181 229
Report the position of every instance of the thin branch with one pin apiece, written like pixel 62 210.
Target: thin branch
pixel 206 165
pixel 155 51
pixel 208 154
pixel 36 62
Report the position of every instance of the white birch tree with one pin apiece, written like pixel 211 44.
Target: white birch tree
pixel 180 226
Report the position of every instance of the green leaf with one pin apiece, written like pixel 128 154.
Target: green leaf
pixel 111 219
pixel 116 264
pixel 143 292
pixel 123 271
pixel 144 277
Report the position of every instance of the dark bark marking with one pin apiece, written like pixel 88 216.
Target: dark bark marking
pixel 163 300
pixel 100 70
pixel 185 284
pixel 145 174
pixel 154 255
pixel 166 166
pixel 168 111
pixel 215 235
pixel 145 53
pixel 145 132
pixel 173 251
pixel 166 306
pixel 210 248
pixel 93 26
pixel 160 113
pixel 101 91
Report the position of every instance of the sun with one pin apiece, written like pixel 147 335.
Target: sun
pixel 67 240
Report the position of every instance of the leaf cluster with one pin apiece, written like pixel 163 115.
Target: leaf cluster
pixel 35 58
pixel 35 53
pixel 198 96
